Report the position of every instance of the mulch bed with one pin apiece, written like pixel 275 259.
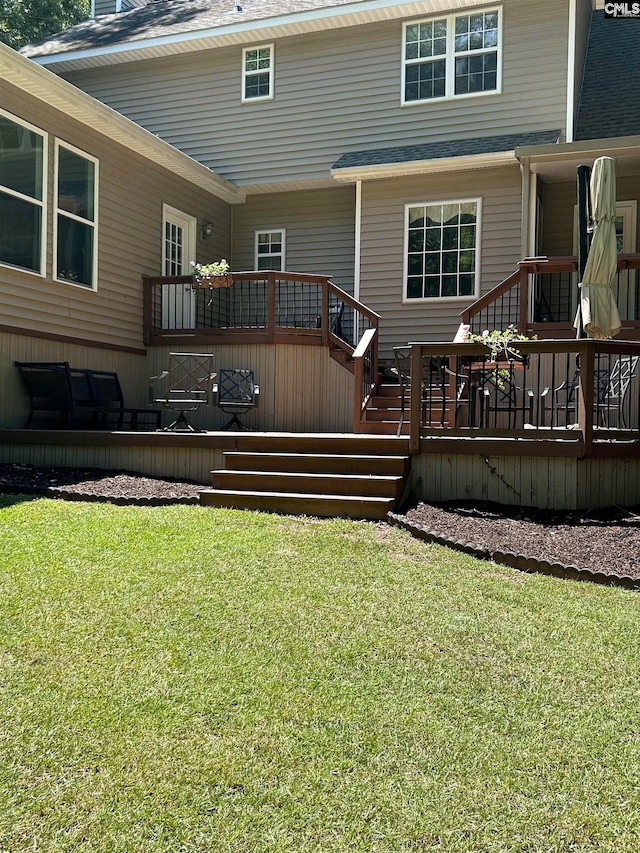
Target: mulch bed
pixel 93 484
pixel 598 542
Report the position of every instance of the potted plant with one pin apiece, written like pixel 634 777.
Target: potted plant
pixel 215 274
pixel 503 354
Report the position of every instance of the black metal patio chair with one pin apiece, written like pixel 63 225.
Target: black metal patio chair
pixel 184 387
pixel 235 393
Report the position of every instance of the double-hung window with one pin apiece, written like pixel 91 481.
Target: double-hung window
pixel 441 257
pixel 23 169
pixel 452 56
pixel 75 237
pixel 270 250
pixel 257 73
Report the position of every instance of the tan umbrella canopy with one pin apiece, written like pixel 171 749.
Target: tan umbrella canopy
pixel 598 308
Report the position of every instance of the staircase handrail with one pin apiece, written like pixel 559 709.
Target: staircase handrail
pixel 365 380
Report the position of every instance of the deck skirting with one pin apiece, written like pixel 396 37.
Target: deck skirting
pixel 543 481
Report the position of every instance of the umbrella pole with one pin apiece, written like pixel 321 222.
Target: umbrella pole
pixel 584 204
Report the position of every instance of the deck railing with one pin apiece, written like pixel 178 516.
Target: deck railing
pixel 541 297
pixel 259 307
pixel 267 307
pixel 572 390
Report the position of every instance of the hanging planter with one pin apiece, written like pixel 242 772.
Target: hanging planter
pixel 211 275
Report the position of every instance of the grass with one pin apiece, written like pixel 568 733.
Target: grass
pixel 185 679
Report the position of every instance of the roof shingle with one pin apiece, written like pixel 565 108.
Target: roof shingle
pixel 449 148
pixel 167 18
pixel 609 103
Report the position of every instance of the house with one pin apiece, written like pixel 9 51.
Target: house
pixel 415 152
pixel 346 123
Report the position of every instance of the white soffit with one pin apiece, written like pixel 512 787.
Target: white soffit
pixel 27 76
pixel 265 29
pixel 425 167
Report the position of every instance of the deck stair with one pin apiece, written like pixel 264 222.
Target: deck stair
pixel 383 413
pixel 347 482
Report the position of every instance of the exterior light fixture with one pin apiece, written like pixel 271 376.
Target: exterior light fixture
pixel 207 230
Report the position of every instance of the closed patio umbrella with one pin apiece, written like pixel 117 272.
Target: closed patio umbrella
pixel 597 309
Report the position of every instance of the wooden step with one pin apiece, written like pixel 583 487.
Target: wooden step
pixel 384 427
pixel 322 443
pixel 318 463
pixel 316 484
pixel 301 503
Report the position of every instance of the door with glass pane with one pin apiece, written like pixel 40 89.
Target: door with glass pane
pixel 625 285
pixel 178 250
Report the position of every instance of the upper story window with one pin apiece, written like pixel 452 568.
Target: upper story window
pixel 257 73
pixel 452 56
pixel 22 194
pixel 75 240
pixel 270 250
pixel 442 249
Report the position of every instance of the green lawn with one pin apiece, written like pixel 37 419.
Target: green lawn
pixel 187 679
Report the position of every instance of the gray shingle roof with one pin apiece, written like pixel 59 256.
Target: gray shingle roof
pixel 441 150
pixel 609 103
pixel 167 18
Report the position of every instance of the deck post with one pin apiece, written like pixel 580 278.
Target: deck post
pixel 325 313
pixel 271 307
pixel 523 308
pixel 416 398
pixel 585 401
pixel 358 380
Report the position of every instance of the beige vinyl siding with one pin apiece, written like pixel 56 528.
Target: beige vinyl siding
pixel 334 92
pixel 383 223
pixel 558 218
pixel 132 191
pixel 583 23
pixel 320 231
pixel 302 389
pixel 104 7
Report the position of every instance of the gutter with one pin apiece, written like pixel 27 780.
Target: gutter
pixel 425 167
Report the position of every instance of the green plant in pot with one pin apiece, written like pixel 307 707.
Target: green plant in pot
pixel 215 274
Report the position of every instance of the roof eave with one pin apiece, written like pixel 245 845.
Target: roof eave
pixel 588 147
pixel 28 76
pixel 424 167
pixel 295 24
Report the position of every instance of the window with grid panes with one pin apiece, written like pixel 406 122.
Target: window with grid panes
pixel 442 246
pixel 22 194
pixel 452 56
pixel 257 73
pixel 270 250
pixel 76 202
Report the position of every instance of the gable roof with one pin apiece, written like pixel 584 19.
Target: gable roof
pixel 164 27
pixel 435 156
pixel 42 84
pixel 609 104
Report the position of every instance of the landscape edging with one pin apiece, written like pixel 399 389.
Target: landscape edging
pixel 514 561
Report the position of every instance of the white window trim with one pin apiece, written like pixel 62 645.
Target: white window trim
pixel 41 203
pixel 283 240
pixel 60 143
pixel 272 56
pixel 467 298
pixel 450 57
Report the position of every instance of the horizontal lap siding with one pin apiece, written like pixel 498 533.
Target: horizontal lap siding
pixel 302 389
pixel 381 282
pixel 560 200
pixel 320 231
pixel 334 92
pixel 131 194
